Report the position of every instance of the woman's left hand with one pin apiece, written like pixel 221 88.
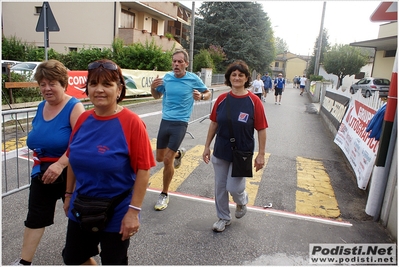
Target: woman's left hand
pixel 130 224
pixel 259 162
pixel 52 173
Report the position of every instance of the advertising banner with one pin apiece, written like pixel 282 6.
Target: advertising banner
pixel 354 141
pixel 334 107
pixel 138 82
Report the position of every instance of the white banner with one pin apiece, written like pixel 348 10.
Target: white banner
pixel 354 141
pixel 138 82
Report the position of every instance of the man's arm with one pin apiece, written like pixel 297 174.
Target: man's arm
pixel 157 82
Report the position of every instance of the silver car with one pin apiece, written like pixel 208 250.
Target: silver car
pixel 369 85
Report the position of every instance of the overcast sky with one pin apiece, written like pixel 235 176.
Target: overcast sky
pixel 298 22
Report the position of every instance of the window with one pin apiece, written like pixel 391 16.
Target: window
pixel 390 53
pixel 276 64
pixel 154 26
pixel 73 49
pixel 127 19
pixel 38 10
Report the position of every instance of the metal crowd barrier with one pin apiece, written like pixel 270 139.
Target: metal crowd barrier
pixel 16 158
pixel 201 111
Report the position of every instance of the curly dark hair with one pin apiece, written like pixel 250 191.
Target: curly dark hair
pixel 242 67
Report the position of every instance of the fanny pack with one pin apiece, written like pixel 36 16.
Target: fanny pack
pixel 93 214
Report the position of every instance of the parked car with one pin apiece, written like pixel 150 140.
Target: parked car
pixel 26 68
pixel 5 63
pixel 369 85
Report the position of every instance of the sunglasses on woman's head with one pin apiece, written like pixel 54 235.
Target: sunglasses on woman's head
pixel 106 65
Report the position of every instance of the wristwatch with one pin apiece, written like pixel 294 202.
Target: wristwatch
pixel 202 96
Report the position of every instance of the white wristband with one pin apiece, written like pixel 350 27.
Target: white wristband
pixel 134 207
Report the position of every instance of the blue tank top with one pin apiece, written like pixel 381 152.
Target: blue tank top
pixel 52 136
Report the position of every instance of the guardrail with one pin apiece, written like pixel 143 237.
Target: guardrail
pixel 201 111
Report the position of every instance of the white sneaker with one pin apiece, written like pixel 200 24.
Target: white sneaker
pixel 17 262
pixel 220 225
pixel 162 203
pixel 279 103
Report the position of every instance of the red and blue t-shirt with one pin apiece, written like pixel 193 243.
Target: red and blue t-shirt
pixel 247 115
pixel 105 154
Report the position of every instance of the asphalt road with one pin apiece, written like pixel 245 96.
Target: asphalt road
pixel 298 145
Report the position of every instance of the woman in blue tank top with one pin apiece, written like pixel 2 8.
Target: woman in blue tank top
pixel 48 139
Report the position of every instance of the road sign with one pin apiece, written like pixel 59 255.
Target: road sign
pixel 386 11
pixel 46 16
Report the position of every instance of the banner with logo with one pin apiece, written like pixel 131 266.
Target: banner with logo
pixel 354 141
pixel 138 82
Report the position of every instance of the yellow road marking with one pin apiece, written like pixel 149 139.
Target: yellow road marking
pixel 191 160
pixel 316 196
pixel 14 144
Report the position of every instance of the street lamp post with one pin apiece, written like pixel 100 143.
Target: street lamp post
pixel 318 52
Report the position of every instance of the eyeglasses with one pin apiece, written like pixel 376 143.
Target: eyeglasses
pixel 106 65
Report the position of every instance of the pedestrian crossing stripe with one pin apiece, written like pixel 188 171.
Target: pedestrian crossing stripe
pixel 192 160
pixel 315 195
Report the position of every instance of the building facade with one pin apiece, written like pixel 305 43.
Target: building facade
pixel 97 24
pixel 290 65
pixel 385 47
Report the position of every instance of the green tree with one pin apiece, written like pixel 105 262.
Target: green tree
pixel 203 60
pixel 325 45
pixel 280 45
pixel 242 29
pixel 344 60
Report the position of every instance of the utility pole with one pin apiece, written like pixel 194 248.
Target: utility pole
pixel 318 52
pixel 190 64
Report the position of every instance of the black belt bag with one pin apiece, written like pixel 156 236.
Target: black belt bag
pixel 93 214
pixel 242 163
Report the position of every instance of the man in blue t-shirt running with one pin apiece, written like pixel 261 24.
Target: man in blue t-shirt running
pixel 179 89
pixel 279 86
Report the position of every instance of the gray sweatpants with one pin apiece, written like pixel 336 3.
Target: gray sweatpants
pixel 225 184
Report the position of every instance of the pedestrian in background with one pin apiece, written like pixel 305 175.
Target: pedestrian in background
pixel 302 84
pixel 247 115
pixel 51 128
pixel 295 81
pixel 267 85
pixel 179 89
pixel 258 87
pixel 279 86
pixel 110 157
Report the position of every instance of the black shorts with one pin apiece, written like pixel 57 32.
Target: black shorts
pixel 278 91
pixel 81 245
pixel 42 201
pixel 171 134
